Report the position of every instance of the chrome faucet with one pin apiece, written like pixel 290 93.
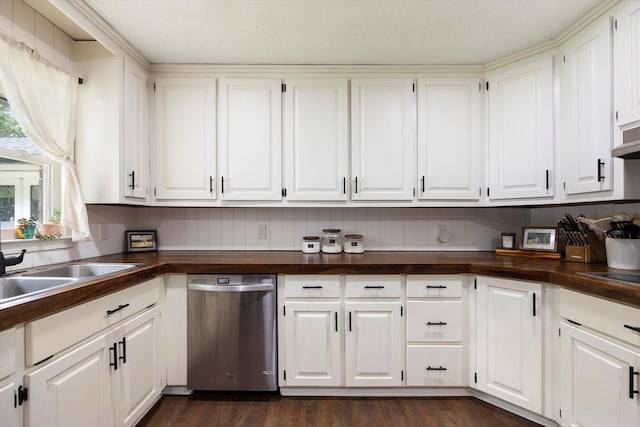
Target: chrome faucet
pixel 12 260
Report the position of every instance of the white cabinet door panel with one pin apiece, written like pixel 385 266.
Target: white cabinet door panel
pixel 316 139
pixel 136 128
pixel 627 65
pixel 250 139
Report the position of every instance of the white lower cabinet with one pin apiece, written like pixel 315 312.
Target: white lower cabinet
pixel 508 337
pixel 12 391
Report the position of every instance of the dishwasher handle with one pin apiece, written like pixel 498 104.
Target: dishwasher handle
pixel 211 287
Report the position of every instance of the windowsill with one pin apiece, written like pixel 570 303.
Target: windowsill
pixel 13 246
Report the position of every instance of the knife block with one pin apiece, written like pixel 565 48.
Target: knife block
pixel 593 252
pixel 578 254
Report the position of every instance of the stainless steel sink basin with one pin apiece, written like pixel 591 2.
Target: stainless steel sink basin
pixel 630 278
pixel 82 270
pixel 13 287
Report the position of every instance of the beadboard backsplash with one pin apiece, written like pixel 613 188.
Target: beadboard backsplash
pixel 410 229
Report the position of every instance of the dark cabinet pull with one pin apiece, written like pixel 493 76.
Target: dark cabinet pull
pixel 349 321
pixel 632 374
pixel 115 310
pixel 15 399
pixel 436 287
pixel 222 185
pixel 600 165
pixel 422 183
pixel 336 315
pixel 633 328
pixel 436 323
pixel 534 304
pixel 115 356
pixel 429 368
pixel 344 185
pixel 356 185
pixel 123 357
pixel 312 287
pixel 133 180
pixel 22 395
pixel 547 178
pixel 210 184
pixel 373 287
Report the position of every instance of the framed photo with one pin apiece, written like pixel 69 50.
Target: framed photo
pixel 540 239
pixel 508 241
pixel 141 241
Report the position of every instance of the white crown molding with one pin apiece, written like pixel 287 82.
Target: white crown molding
pixel 79 12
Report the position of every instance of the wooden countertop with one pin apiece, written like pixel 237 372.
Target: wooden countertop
pixel 294 262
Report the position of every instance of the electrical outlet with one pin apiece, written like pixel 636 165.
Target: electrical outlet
pixel 262 232
pixel 443 234
pixel 103 230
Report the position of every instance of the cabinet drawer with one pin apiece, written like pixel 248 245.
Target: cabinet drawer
pixel 435 366
pixel 439 321
pixel 434 286
pixel 312 286
pixel 374 286
pixel 7 352
pixel 52 334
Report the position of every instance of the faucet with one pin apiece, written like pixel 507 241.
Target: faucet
pixel 12 260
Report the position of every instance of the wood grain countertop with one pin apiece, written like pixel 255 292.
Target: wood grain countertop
pixel 555 272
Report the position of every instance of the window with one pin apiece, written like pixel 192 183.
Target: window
pixel 28 180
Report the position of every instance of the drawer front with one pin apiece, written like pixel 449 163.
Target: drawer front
pixel 434 321
pixel 374 286
pixel 52 334
pixel 312 286
pixel 7 352
pixel 435 366
pixel 434 286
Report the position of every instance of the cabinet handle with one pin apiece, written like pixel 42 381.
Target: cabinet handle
pixel 632 373
pixel 222 185
pixel 356 185
pixel 422 184
pixel 349 321
pixel 210 184
pixel 123 357
pixel 373 286
pixel 22 395
pixel 600 165
pixel 336 315
pixel 115 356
pixel 344 185
pixel 115 310
pixel 436 323
pixel 15 399
pixel 429 368
pixel 633 328
pixel 534 304
pixel 436 287
pixel 133 180
pixel 547 178
pixel 312 287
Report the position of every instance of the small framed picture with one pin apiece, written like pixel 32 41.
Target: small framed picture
pixel 508 241
pixel 141 241
pixel 540 239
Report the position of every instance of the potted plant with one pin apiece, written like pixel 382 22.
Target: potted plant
pixel 26 228
pixel 51 229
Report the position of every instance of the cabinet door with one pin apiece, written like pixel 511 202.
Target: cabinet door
pixel 520 104
pixel 509 341
pixel 185 139
pixel 585 125
pixel 136 132
pixel 449 138
pixel 8 404
pixel 627 65
pixel 316 139
pixel 250 139
pixel 313 339
pixel 137 382
pixel 72 391
pixel 597 380
pixel 383 140
pixel 373 344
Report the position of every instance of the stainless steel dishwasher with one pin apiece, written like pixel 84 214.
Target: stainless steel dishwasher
pixel 231 338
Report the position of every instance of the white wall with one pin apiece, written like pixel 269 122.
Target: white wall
pixel 550 216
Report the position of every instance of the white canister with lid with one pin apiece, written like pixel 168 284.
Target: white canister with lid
pixel 353 243
pixel 311 244
pixel 331 241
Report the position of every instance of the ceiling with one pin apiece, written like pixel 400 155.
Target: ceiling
pixel 337 31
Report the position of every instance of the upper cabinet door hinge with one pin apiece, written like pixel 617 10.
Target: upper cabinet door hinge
pixel 284 87
pixel 564 58
pixel 615 24
pixel 284 192
pixel 80 80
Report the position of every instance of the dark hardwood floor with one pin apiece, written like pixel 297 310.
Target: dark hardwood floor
pixel 273 410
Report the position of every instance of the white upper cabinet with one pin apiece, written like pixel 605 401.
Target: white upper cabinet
pixel 586 111
pixel 185 148
pixel 316 139
pixel 449 138
pixel 250 144
pixel 627 65
pixel 383 139
pixel 520 137
pixel 136 131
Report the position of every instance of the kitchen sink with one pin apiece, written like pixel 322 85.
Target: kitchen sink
pixel 13 287
pixel 83 270
pixel 630 278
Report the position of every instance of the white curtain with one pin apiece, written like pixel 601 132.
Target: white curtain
pixel 43 100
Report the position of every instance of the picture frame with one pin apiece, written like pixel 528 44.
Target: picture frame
pixel 540 239
pixel 508 241
pixel 141 241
